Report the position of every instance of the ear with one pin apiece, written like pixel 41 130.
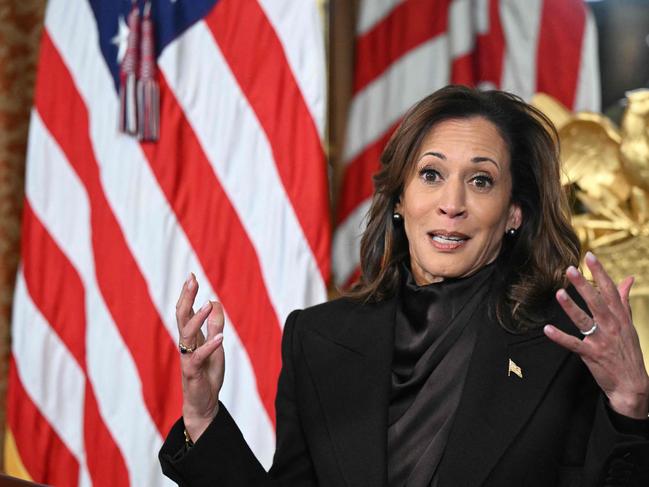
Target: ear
pixel 515 218
pixel 397 205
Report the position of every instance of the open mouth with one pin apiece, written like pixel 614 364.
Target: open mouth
pixel 448 240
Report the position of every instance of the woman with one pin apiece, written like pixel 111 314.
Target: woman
pixel 441 367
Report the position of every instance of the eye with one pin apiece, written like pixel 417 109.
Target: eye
pixel 482 181
pixel 429 175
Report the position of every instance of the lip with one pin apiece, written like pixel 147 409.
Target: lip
pixel 447 246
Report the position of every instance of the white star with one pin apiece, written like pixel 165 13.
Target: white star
pixel 121 39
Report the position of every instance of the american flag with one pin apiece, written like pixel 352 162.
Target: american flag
pixel 406 49
pixel 234 190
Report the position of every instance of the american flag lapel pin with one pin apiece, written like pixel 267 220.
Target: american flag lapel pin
pixel 514 369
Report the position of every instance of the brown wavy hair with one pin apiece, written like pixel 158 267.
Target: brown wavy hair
pixel 531 265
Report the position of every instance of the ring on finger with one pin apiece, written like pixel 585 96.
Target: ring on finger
pixel 185 349
pixel 592 329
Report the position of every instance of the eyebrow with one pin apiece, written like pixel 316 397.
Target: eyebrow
pixel 476 160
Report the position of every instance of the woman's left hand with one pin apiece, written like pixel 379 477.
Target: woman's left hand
pixel 612 351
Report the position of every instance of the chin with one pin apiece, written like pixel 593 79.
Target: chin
pixel 447 266
pixel 438 270
pixel 452 272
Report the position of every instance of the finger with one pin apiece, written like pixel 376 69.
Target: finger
pixel 215 320
pixel 184 311
pixel 203 352
pixel 199 338
pixel 593 299
pixel 578 316
pixel 569 342
pixel 182 291
pixel 190 334
pixel 624 290
pixel 184 288
pixel 608 289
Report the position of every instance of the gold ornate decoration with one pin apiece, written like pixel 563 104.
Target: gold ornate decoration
pixel 634 150
pixel 607 169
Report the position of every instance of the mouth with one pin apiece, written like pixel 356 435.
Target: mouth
pixel 444 240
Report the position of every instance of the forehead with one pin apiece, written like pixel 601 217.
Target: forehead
pixel 475 136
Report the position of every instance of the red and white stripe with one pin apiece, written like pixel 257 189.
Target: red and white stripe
pixel 230 192
pixel 406 49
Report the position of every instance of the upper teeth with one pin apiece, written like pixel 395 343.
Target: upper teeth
pixel 443 237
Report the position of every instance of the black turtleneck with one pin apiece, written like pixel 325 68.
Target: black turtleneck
pixel 434 337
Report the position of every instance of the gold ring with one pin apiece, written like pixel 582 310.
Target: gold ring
pixel 184 348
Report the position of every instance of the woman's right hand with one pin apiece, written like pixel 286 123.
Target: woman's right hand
pixel 202 369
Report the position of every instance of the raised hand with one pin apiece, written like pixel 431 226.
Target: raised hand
pixel 611 347
pixel 202 360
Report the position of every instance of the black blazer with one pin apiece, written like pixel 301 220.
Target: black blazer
pixel 549 428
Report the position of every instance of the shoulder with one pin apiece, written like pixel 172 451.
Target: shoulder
pixel 339 307
pixel 336 316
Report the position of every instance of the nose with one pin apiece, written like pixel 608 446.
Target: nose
pixel 452 202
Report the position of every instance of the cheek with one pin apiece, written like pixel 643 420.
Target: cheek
pixel 492 222
pixel 493 208
pixel 416 219
pixel 417 206
pixel 410 228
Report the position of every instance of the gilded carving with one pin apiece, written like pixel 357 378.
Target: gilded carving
pixel 607 169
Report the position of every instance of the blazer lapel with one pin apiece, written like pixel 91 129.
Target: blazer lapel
pixel 351 373
pixel 496 403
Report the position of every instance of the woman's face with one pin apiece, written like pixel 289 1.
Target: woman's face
pixel 456 202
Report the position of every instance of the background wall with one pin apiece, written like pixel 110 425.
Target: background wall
pixel 342 15
pixel 20 27
pixel 623 28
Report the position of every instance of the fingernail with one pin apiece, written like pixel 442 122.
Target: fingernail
pixel 189 278
pixel 548 329
pixel 590 257
pixel 561 294
pixel 572 271
pixel 205 306
pixel 218 337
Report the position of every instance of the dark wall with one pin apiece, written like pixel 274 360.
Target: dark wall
pixel 623 31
